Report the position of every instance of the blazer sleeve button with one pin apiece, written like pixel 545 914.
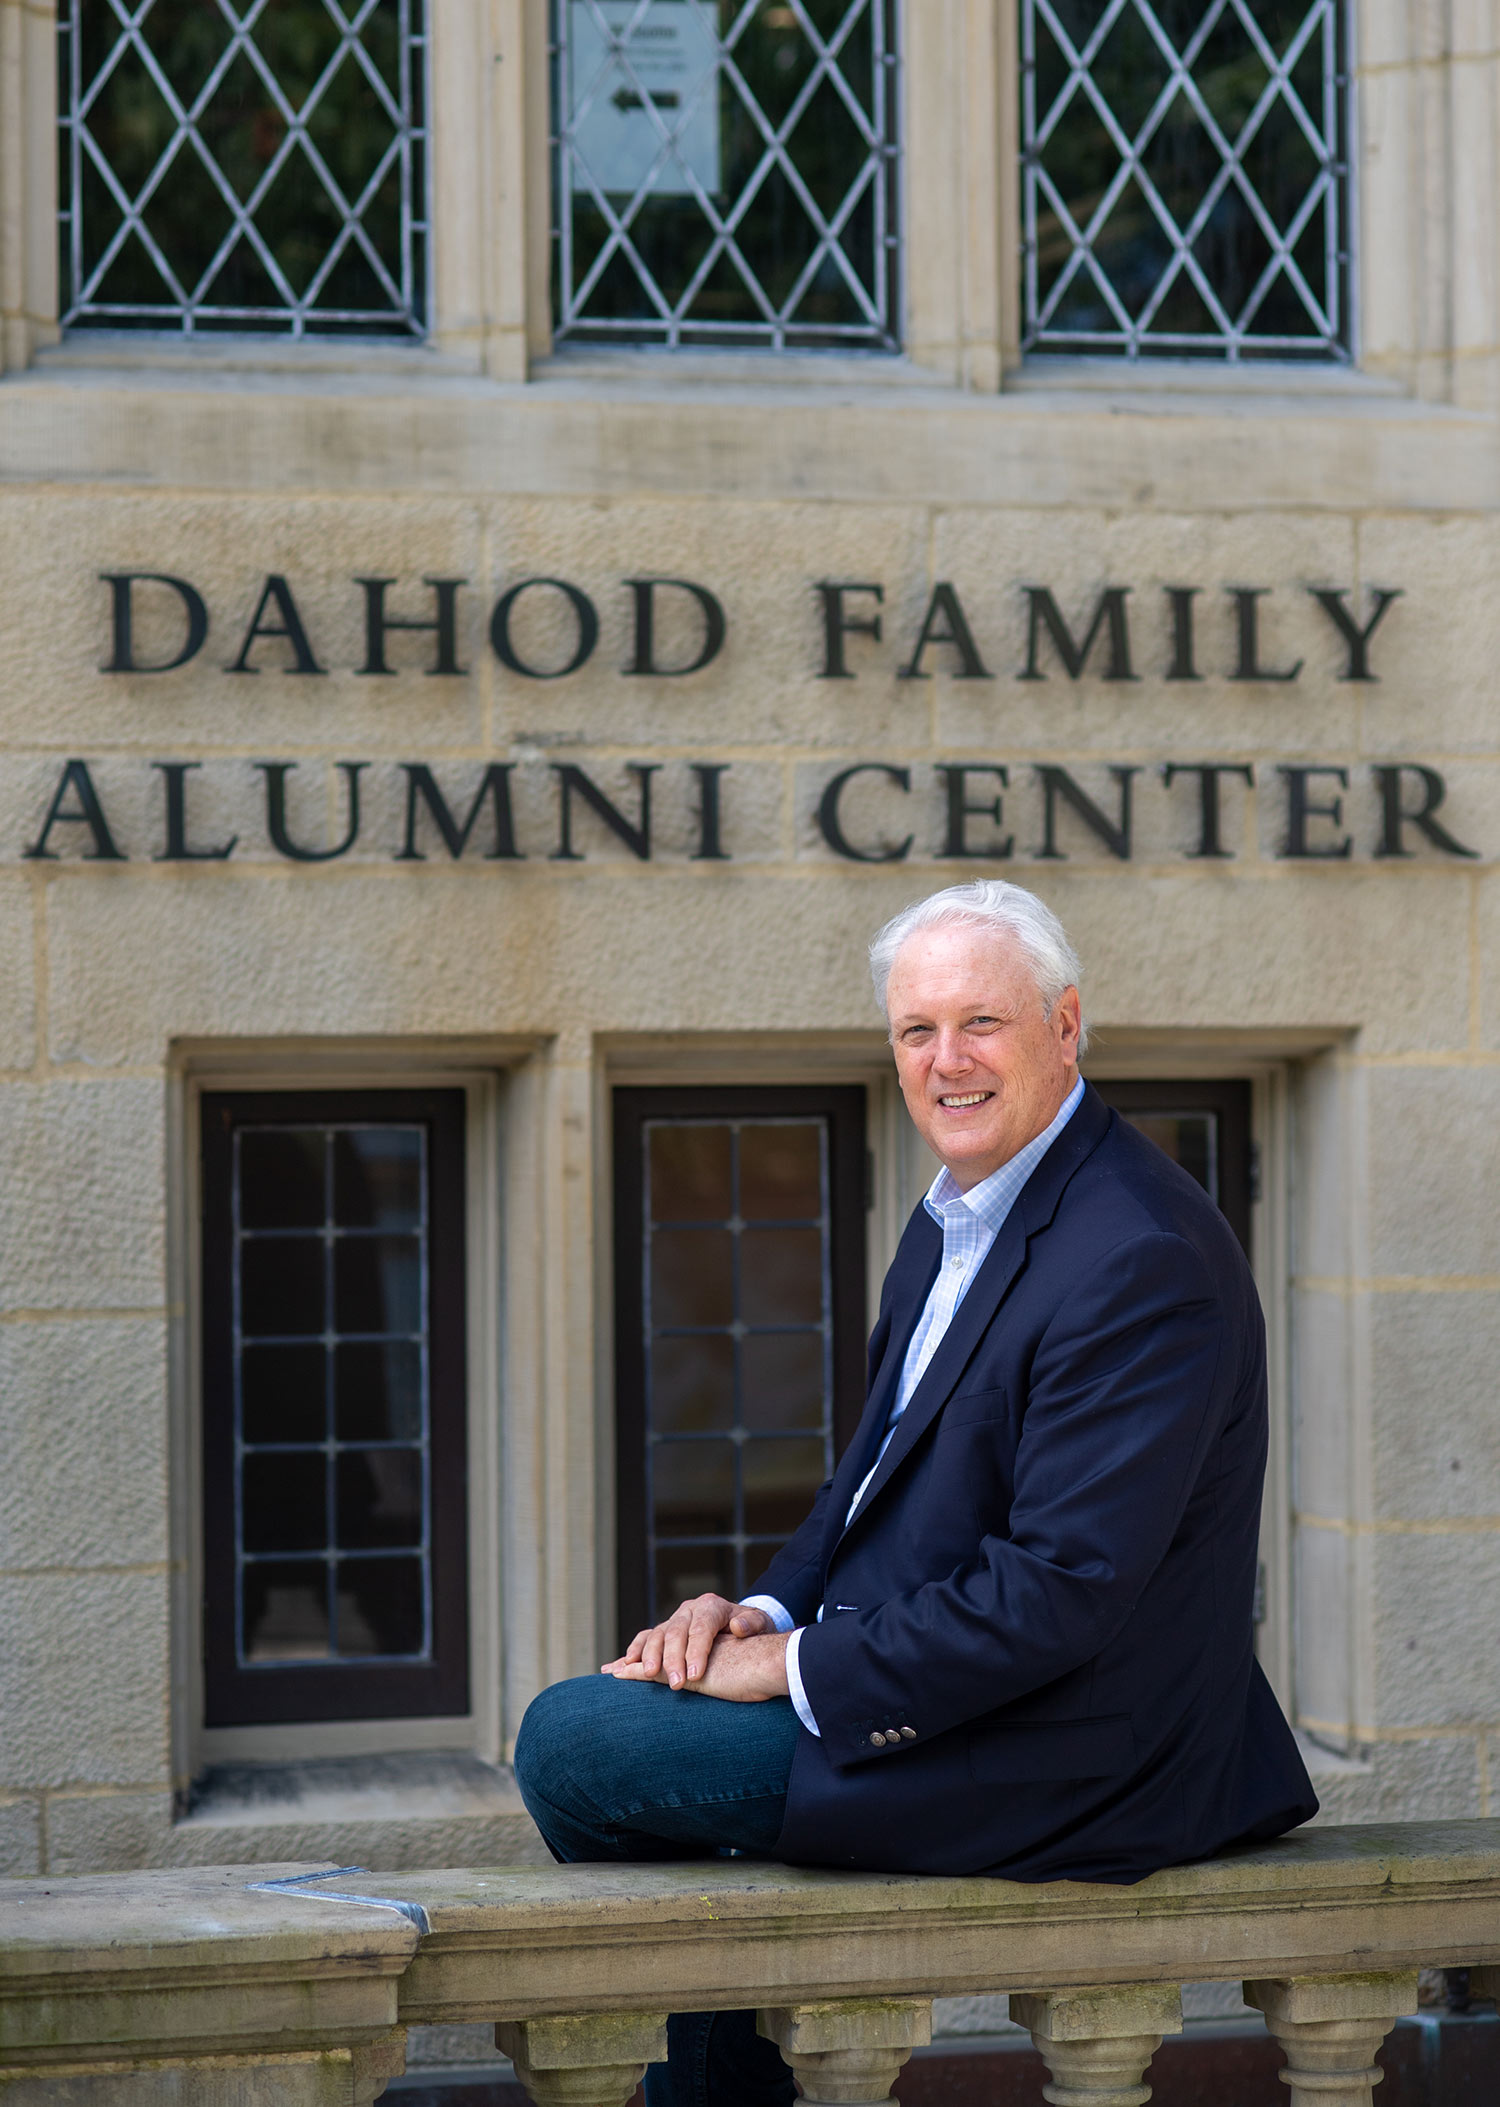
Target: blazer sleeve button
pixel 908 1733
pixel 877 1741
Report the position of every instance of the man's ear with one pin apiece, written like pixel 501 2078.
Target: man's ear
pixel 1068 1012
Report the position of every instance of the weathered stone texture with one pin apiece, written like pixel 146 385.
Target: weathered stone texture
pixel 83 1677
pixel 1434 1628
pixel 82 1198
pixel 83 1431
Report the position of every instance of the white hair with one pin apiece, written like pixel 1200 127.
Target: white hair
pixel 992 904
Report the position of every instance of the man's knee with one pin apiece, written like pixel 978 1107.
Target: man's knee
pixel 559 1724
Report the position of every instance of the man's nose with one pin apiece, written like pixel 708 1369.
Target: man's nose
pixel 952 1055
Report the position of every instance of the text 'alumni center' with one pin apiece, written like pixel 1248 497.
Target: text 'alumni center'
pixel 526 532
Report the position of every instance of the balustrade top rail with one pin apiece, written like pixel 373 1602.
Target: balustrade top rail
pixel 189 1980
pixel 576 1939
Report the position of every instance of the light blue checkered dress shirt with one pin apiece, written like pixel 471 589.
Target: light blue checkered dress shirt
pixel 970 1222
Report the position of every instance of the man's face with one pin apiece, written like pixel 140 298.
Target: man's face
pixel 982 1070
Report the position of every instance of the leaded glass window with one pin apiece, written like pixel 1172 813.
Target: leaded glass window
pixel 725 172
pixel 1185 179
pixel 741 1326
pixel 333 1405
pixel 244 165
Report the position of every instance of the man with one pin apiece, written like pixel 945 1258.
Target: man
pixel 1014 1635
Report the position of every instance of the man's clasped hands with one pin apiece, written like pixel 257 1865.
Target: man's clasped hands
pixel 716 1647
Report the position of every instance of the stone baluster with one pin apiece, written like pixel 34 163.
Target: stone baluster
pixel 592 2059
pixel 1330 2027
pixel 1097 2043
pixel 373 2066
pixel 1484 1982
pixel 847 2053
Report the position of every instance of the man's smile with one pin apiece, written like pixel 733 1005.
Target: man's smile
pixel 960 1103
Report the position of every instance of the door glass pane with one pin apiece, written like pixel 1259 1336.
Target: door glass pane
pixel 681 1570
pixel 691 1170
pixel 737 1320
pixel 1189 1138
pixel 692 1384
pixel 331 1361
pixel 692 1276
pixel 285 1610
pixel 781 1174
pixel 785 1380
pixel 781 1276
pixel 693 1488
pixel 780 1480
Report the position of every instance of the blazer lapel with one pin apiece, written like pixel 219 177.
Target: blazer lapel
pixel 915 1269
pixel 1035 1206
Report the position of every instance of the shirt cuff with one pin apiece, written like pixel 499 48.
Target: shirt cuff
pixel 778 1613
pixel 800 1705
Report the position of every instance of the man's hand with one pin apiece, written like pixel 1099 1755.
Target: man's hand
pixel 677 1652
pixel 746 1671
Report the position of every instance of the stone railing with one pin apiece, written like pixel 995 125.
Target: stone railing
pixel 291 1987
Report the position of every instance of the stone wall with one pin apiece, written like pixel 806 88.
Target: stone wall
pixel 1361 989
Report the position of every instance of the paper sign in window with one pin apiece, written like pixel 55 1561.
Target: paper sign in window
pixel 649 106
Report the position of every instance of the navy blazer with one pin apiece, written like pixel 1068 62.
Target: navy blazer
pixel 1036 1651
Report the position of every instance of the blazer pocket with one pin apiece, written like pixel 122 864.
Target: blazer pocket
pixel 1015 1751
pixel 974 1405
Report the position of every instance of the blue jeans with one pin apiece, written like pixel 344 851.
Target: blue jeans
pixel 636 1772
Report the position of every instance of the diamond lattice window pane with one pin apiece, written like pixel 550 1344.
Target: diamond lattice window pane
pixel 725 172
pixel 1185 177
pixel 244 165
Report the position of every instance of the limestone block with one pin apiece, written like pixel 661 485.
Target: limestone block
pixel 1327 1099
pixel 1434 1142
pixel 83 1428
pixel 406 436
pixel 850 2050
pixel 111 1831
pixel 1433 1604
pixel 17 952
pixel 991 554
pixel 84 1678
pixel 382 1842
pixel 1321 1608
pixel 1437 670
pixel 1399 1781
pixel 125 1976
pixel 1097 2043
pixel 1307 948
pixel 20 1835
pixel 1434 1359
pixel 1330 2028
pixel 1385 35
pixel 327 2078
pixel 1322 1329
pixel 453 952
pixel 56 547
pixel 1488 961
pixel 136 960
pixel 595 2060
pixel 81 1194
pixel 765 688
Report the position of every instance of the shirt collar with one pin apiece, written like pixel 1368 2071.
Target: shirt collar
pixel 993 1198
